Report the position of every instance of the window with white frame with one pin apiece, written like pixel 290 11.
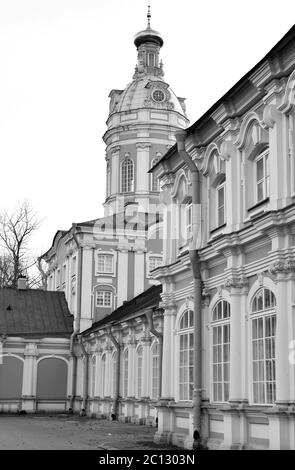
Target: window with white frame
pixel 125 374
pixel 155 371
pixel 139 371
pixel 105 264
pixel 186 359
pixel 127 175
pixel 220 203
pixel 263 332
pixel 221 350
pixel 154 262
pixel 103 375
pixel 104 298
pixel 262 175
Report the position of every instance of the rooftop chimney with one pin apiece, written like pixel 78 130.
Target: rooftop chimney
pixel 22 283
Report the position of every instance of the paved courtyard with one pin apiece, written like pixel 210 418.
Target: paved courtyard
pixel 63 432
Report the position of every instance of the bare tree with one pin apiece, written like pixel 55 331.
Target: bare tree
pixel 16 230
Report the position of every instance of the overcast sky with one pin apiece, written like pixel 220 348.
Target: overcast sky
pixel 60 59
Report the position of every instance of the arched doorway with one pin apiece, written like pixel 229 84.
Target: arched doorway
pixel 52 377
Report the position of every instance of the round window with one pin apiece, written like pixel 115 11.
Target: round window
pixel 158 95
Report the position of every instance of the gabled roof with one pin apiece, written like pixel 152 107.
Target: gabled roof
pixel 33 312
pixel 149 298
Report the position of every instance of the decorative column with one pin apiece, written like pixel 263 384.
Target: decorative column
pixel 146 378
pixel 86 307
pixel 165 414
pixel 115 170
pixel 29 388
pixel 281 270
pixel 122 279
pixel 131 374
pixel 139 267
pixel 142 167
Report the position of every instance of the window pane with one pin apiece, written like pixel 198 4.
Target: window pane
pixel 259 169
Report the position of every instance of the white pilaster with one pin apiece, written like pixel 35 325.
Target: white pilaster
pixel 142 165
pixel 122 285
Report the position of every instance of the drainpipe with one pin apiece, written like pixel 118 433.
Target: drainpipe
pixel 195 265
pixel 115 413
pixel 77 322
pixel 85 378
pixel 159 336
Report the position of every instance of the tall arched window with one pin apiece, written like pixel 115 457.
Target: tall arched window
pixel 263 328
pixel 221 350
pixel 155 371
pixel 139 371
pixel 186 359
pixel 125 374
pixel 127 175
pixel 103 375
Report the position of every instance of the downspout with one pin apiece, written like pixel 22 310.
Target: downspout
pixel 85 378
pixel 195 265
pixel 77 322
pixel 115 410
pixel 159 336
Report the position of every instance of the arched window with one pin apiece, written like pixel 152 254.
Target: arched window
pixel 262 175
pixel 139 371
pixel 151 59
pixel 221 350
pixel 103 375
pixel 155 371
pixel 186 351
pixel 125 374
pixel 127 175
pixel 263 328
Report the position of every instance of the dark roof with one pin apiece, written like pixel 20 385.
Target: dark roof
pixel 33 312
pixel 149 298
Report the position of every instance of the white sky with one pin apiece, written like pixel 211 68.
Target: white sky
pixel 61 58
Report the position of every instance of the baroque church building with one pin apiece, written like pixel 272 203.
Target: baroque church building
pixel 182 296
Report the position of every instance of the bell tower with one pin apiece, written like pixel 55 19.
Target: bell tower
pixel 140 128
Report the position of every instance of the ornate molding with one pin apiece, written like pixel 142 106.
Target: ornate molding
pixel 236 282
pixel 143 145
pixel 282 267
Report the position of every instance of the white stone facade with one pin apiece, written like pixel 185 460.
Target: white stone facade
pixel 246 245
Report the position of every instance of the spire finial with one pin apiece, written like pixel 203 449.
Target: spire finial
pixel 149 14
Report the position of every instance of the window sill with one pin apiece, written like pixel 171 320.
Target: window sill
pixel 217 229
pixel 258 204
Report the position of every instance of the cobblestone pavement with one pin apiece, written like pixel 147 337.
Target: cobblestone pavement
pixel 65 432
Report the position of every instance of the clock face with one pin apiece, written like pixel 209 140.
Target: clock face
pixel 158 96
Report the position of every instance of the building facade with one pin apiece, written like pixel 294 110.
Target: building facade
pixel 243 229
pixel 102 263
pixel 35 364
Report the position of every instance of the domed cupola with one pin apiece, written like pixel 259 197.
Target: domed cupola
pixel 148 43
pixel 140 128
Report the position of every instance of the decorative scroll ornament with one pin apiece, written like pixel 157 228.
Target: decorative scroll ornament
pixel 282 266
pixel 236 282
